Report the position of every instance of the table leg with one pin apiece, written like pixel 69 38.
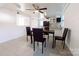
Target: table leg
pixel 48 36
pixel 53 45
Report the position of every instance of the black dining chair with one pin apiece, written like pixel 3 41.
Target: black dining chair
pixel 29 33
pixel 63 37
pixel 38 37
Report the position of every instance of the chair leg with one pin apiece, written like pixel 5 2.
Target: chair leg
pixel 45 43
pixel 42 47
pixel 37 43
pixel 48 36
pixel 55 43
pixel 27 38
pixel 34 45
pixel 64 44
pixel 31 39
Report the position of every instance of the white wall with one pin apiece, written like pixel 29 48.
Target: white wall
pixel 71 15
pixel 55 9
pixel 8 28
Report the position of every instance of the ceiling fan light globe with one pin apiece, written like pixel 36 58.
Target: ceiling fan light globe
pixel 36 11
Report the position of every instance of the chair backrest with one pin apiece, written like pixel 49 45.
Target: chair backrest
pixel 28 30
pixel 46 25
pixel 38 34
pixel 65 33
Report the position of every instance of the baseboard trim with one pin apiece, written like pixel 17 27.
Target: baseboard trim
pixel 69 50
pixel 11 39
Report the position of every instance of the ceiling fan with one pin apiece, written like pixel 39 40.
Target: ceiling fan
pixel 18 8
pixel 36 7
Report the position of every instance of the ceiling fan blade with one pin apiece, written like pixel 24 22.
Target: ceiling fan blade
pixel 43 9
pixel 18 5
pixel 37 7
pixel 34 6
pixel 29 9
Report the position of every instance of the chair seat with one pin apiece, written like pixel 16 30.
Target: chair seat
pixel 29 34
pixel 58 38
pixel 45 33
pixel 42 40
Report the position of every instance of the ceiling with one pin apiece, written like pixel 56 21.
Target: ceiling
pixel 10 6
pixel 53 9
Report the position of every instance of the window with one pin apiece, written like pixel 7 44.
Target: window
pixel 23 20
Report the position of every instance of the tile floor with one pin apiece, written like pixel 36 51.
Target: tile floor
pixel 20 47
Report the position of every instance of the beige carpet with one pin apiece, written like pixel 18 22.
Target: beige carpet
pixel 20 47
